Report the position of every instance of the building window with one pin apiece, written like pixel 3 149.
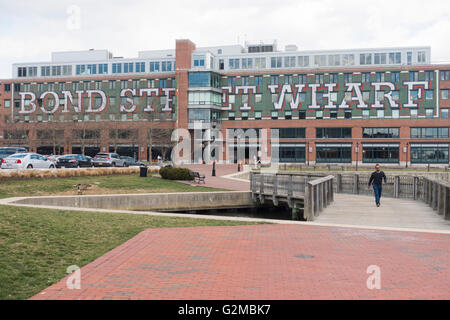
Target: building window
pixel 292 133
pixel 414 113
pixel 291 154
pixel 380 76
pixel 258 81
pixel 221 64
pixel 348 59
pixel 339 153
pixel 429 113
pixel 348 77
pixel 128 67
pixel 429 94
pixel 409 58
pixel 116 68
pixel 274 80
pixel 365 77
pixel 381 133
pixel 444 113
pixel 395 76
pixel 429 75
pixel 395 58
pixel 320 60
pixel 154 66
pixel 289 62
pixel 379 153
pixel 303 61
pixel 140 66
pixel 45 71
pixel 333 133
pixel 21 72
pixel 260 63
pixel 199 61
pixel 429 133
pixel 276 62
pixel 380 114
pixel 302 115
pixel 319 78
pixel 334 60
pixel 231 81
pixel 421 57
pixel 233 63
pixel 380 58
pixel 445 75
pixel 365 58
pixel 102 68
pixel 427 153
pixel 413 76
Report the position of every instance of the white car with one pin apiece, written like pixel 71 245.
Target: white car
pixel 27 161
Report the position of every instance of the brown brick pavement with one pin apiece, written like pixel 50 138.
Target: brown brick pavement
pixel 218 181
pixel 266 262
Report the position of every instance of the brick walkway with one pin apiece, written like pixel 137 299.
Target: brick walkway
pixel 266 262
pixel 218 181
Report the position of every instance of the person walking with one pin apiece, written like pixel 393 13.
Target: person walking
pixel 378 178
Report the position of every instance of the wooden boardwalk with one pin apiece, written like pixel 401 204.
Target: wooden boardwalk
pixel 394 213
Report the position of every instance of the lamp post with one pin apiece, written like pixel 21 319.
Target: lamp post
pixel 357 157
pixel 307 152
pixel 407 157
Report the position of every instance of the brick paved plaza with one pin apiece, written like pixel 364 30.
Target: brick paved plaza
pixel 266 262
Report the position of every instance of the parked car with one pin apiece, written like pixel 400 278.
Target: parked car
pixel 53 158
pixel 9 151
pixel 131 162
pixel 108 160
pixel 74 161
pixel 27 161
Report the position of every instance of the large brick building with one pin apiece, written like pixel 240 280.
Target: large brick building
pixel 385 105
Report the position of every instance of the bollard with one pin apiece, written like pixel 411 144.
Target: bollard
pixel 214 169
pixel 239 167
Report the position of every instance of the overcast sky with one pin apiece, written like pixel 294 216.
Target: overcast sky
pixel 31 30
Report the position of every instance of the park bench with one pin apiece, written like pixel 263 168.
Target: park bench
pixel 198 177
pixel 82 188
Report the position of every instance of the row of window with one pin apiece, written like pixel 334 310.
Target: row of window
pixel 368 133
pixel 391 58
pixel 319 115
pixel 94 69
pixel 370 154
pixel 87 85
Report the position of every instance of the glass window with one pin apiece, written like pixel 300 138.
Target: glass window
pixel 320 60
pixel 333 154
pixel 365 58
pixel 291 133
pixel 199 60
pixel 395 76
pixel 303 61
pixel 348 60
pixel 429 154
pixel 381 133
pixel 421 57
pixel 291 154
pixel 429 94
pixel 444 94
pixel 276 62
pixel 444 113
pixel 380 154
pixel 333 133
pixel 445 75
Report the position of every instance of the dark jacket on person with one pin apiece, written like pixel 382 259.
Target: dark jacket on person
pixel 377 178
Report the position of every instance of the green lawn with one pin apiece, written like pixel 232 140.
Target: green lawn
pixel 117 183
pixel 37 245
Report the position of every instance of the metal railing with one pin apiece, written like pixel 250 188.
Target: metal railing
pixel 319 194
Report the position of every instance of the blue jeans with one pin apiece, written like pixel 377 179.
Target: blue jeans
pixel 378 190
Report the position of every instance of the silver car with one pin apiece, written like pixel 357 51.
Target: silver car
pixel 27 161
pixel 108 160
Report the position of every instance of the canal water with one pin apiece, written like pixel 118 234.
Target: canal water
pixel 264 212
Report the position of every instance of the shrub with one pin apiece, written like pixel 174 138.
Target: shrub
pixel 176 174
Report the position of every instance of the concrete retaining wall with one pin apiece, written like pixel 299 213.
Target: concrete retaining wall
pixel 148 202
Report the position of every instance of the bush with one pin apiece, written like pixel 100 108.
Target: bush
pixel 176 174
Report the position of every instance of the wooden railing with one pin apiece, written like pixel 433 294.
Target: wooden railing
pixel 436 194
pixel 312 192
pixel 319 194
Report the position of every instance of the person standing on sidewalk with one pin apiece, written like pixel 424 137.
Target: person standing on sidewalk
pixel 378 178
